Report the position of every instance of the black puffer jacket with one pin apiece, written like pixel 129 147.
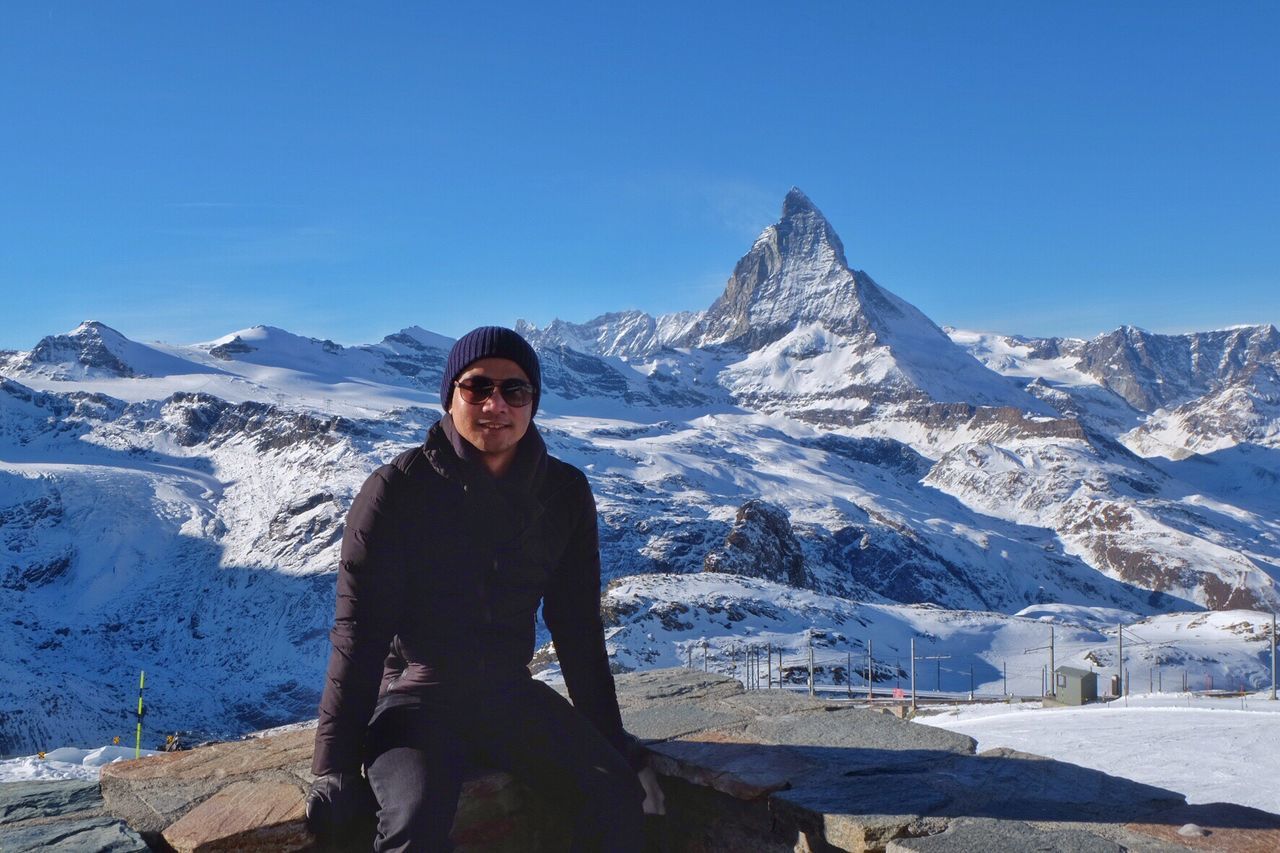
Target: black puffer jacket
pixel 442 571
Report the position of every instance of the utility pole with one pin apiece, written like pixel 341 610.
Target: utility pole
pixel 1004 677
pixel 810 664
pixel 1045 676
pixel 913 670
pixel 768 665
pixel 871 686
pixel 1273 657
pixel 848 672
pixel 1120 688
pixel 913 675
pixel 1053 678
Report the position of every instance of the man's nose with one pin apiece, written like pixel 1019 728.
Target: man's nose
pixel 496 402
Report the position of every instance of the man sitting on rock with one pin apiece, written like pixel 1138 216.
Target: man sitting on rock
pixel 447 553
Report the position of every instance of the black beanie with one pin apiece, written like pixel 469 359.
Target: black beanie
pixel 490 342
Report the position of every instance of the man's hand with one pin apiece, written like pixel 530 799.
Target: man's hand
pixel 654 802
pixel 340 806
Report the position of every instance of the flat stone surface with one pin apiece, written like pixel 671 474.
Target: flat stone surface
pixel 771 703
pixel 1226 826
pixel 985 835
pixel 728 764
pixel 248 816
pixel 667 721
pixel 683 685
pixel 233 758
pixel 1012 785
pixel 26 800
pixel 858 729
pixel 99 834
pixel 154 792
pixel 863 813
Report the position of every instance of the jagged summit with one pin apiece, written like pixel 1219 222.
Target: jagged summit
pixel 793 297
pixel 794 273
pixel 802 220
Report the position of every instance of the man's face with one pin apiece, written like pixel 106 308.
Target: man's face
pixel 493 427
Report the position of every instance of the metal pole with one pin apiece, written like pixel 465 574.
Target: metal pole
pixel 1053 681
pixel 810 664
pixel 1120 688
pixel 1004 676
pixel 913 674
pixel 871 669
pixel 1273 657
pixel 768 665
pixel 137 744
pixel 704 655
pixel 970 682
pixel 938 678
pixel 848 672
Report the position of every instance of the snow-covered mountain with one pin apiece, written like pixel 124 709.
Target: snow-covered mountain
pixel 811 444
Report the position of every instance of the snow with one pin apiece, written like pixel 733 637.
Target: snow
pixel 1212 749
pixel 65 763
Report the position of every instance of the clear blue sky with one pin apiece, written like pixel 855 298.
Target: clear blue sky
pixel 182 170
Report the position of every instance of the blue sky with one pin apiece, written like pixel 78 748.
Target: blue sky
pixel 183 170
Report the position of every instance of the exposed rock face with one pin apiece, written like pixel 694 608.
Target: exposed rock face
pixel 91 345
pixel 624 334
pixel 761 545
pixel 61 816
pixel 1151 371
pixel 762 770
pixel 796 273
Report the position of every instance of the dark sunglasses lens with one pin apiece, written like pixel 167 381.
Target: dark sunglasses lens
pixel 517 393
pixel 476 390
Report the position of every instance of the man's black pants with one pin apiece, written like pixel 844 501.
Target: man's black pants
pixel 418 756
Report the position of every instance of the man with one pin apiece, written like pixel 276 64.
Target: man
pixel 446 555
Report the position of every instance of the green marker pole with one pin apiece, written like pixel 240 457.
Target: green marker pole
pixel 137 744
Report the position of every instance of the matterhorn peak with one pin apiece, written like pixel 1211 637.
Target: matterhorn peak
pixel 795 273
pixel 795 284
pixel 797 203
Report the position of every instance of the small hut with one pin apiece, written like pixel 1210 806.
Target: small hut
pixel 1075 686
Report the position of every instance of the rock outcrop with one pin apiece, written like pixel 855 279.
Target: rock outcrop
pixel 763 770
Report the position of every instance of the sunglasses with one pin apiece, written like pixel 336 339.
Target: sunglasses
pixel 476 390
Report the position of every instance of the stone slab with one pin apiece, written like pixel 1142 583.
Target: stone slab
pixel 847 728
pixel 46 798
pixel 1214 826
pixel 100 834
pixel 678 684
pixel 1011 785
pixel 154 792
pixel 864 812
pixel 721 760
pixel 668 721
pixel 246 816
pixel 986 835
